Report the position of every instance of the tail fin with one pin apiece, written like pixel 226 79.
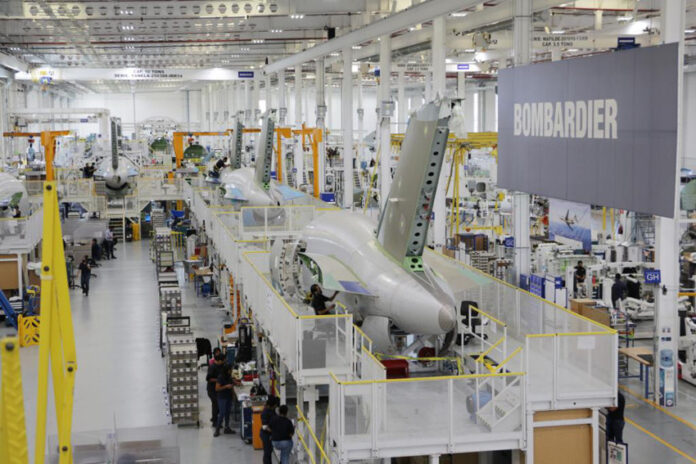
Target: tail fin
pixel 236 155
pixel 264 151
pixel 115 134
pixel 403 225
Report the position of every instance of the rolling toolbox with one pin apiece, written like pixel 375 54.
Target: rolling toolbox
pixel 246 433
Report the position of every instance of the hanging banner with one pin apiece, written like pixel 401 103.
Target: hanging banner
pixel 600 130
pixel 570 223
pixel 143 74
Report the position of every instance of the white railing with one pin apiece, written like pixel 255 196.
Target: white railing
pixel 310 346
pixel 21 234
pixel 274 221
pixel 429 415
pixel 570 360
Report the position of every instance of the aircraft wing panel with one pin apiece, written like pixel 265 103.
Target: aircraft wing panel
pixel 233 193
pixel 288 193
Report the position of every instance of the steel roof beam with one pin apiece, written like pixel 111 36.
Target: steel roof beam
pixel 414 15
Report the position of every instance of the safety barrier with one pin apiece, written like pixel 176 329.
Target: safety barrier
pixel 29 328
pixel 569 360
pixel 20 235
pixel 429 415
pixel 309 345
pixel 274 220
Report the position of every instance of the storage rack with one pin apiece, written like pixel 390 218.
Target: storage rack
pixel 182 379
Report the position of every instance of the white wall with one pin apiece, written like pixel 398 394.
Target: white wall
pixel 147 105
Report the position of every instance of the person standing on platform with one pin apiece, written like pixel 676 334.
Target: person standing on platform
pixel 85 274
pixel 267 416
pixel 319 301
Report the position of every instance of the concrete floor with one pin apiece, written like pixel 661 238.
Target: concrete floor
pixel 121 375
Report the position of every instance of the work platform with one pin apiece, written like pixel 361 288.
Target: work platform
pixel 528 355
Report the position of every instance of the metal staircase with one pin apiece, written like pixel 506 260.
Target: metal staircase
pixel 503 412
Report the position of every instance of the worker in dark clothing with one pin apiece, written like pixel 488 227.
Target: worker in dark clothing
pixel 224 386
pixel 219 166
pixel 96 251
pixel 618 291
pixel 282 431
pixel 85 274
pixel 267 416
pixel 319 301
pixel 579 277
pixel 615 420
pixel 211 378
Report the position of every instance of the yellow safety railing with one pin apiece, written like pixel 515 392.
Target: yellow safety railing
pixel 324 457
pixel 425 379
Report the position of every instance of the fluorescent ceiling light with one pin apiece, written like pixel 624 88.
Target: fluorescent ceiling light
pixel 624 19
pixel 469 50
pixel 356 47
pixel 459 14
pixel 296 16
pixel 558 31
pixel 689 31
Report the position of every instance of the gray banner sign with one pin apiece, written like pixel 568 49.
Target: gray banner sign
pixel 600 130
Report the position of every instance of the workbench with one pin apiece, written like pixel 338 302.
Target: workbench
pixel 198 277
pixel 645 358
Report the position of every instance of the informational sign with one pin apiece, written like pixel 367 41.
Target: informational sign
pixel 652 276
pixel 572 222
pixel 617 453
pixel 599 130
pixel 560 40
pixel 138 74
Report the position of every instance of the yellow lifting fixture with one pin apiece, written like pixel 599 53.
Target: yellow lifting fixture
pixel 56 347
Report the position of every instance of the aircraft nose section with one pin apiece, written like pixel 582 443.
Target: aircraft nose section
pixel 446 318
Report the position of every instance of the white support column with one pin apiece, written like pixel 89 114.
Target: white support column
pixel 255 95
pixel 347 126
pixel 401 98
pixel 299 152
pixel 385 105
pixel 282 103
pixel 283 378
pixel 211 106
pixel 248 113
pixel 438 91
pixel 522 35
pixel 329 103
pixel 312 396
pixel 361 119
pixel 267 91
pixel 320 85
pixel 298 96
pixel 667 229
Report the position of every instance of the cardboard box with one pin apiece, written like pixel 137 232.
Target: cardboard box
pixel 576 305
pixel 600 315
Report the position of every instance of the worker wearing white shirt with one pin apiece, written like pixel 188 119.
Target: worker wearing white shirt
pixel 109 244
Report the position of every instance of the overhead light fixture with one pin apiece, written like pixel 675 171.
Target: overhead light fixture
pixel 624 19
pixel 558 31
pixel 276 31
pixel 689 31
pixel 356 47
pixel 296 16
pixel 459 14
pixel 573 50
pixel 245 49
pixel 412 28
pixel 257 41
pixel 469 50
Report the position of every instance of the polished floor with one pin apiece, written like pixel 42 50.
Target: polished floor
pixel 121 375
pixel 120 381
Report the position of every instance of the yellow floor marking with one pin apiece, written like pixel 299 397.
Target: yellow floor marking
pixel 658 407
pixel 668 445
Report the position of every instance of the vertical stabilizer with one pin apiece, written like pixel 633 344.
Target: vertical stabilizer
pixel 236 155
pixel 264 151
pixel 115 133
pixel 403 226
